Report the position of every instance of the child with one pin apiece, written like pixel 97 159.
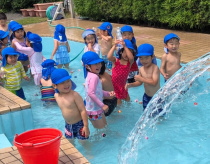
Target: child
pixel 106 41
pixel 149 73
pixel 47 89
pixel 127 33
pixel 3 41
pixel 71 105
pixel 19 35
pixel 107 85
pixel 91 42
pixel 3 22
pixel 34 52
pixel 170 61
pixel 61 47
pixel 14 72
pixel 93 88
pixel 121 68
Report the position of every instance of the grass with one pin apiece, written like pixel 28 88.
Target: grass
pixel 31 20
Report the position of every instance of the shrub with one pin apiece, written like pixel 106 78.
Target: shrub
pixel 182 14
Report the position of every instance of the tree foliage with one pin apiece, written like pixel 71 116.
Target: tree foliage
pixel 182 14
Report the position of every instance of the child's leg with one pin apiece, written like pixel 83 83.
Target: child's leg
pixel 37 78
pixel 67 66
pixel 59 65
pixel 99 123
pixel 127 98
pixel 119 102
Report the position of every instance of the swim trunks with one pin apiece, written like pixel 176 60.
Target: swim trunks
pixel 74 131
pixel 95 117
pixel 146 100
pixel 19 93
pixel 112 103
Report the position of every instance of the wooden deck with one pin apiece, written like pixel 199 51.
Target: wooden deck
pixel 10 102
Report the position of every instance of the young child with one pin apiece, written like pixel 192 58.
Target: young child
pixel 3 22
pixel 121 68
pixel 47 90
pixel 14 72
pixel 91 42
pixel 170 61
pixel 93 89
pixel 3 41
pixel 34 52
pixel 106 41
pixel 71 105
pixel 127 33
pixel 19 35
pixel 149 73
pixel 107 85
pixel 61 47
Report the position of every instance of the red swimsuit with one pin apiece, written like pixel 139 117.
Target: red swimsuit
pixel 119 77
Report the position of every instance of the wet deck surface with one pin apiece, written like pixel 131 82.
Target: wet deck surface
pixel 192 45
pixel 68 154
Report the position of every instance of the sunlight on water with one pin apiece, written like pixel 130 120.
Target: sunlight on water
pixel 189 84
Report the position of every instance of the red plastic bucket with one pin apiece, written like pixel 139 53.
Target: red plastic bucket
pixel 39 146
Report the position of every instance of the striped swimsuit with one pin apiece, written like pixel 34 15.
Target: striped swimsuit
pixel 47 93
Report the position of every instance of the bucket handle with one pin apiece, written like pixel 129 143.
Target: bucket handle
pixel 30 144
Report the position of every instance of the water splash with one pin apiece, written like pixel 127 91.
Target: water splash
pixel 178 85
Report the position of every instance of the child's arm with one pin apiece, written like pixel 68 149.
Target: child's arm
pixel 68 46
pixel 92 90
pixel 55 48
pixel 81 107
pixel 23 74
pixel 107 38
pixel 153 81
pixel 13 45
pixel 110 56
pixel 134 84
pixel 128 52
pixel 163 66
pixel 26 50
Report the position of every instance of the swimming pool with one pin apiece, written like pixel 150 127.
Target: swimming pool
pixel 98 148
pixel 160 147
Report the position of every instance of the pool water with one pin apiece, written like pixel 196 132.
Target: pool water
pixel 173 141
pixel 97 148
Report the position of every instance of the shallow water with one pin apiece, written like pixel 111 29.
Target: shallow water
pixel 182 136
pixel 179 138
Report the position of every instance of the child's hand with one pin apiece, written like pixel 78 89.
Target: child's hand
pixel 27 78
pixel 89 46
pixel 127 85
pixel 138 78
pixel 116 42
pixel 112 94
pixel 85 131
pixel 122 43
pixel 105 108
pixel 166 76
